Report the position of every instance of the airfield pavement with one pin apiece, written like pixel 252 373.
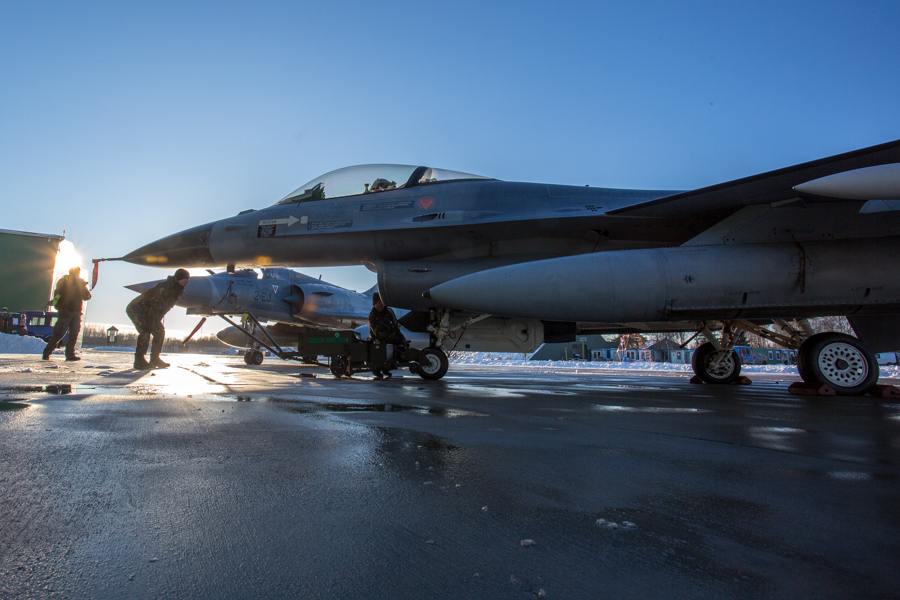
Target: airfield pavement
pixel 215 479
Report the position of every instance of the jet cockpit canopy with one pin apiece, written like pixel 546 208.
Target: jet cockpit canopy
pixel 369 179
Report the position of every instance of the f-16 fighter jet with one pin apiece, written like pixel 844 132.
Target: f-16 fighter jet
pixel 533 262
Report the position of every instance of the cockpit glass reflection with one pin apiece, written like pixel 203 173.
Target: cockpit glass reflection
pixel 370 179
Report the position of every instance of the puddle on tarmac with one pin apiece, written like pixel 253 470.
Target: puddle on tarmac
pixel 312 408
pixel 779 438
pixel 850 475
pixel 12 405
pixel 62 389
pixel 493 392
pixel 780 430
pixel 647 409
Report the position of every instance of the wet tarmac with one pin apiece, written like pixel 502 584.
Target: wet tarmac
pixel 220 480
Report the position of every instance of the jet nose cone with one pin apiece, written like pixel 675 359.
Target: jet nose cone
pixel 189 248
pixel 140 288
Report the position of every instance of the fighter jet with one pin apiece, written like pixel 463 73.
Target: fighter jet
pixel 549 261
pixel 289 299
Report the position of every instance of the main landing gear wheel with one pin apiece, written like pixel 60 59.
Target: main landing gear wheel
pixel 433 363
pixel 727 371
pixel 840 361
pixel 253 357
pixel 339 366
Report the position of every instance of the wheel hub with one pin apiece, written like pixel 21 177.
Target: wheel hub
pixel 431 364
pixel 720 370
pixel 843 365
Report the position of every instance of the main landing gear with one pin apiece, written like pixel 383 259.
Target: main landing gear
pixel 837 360
pixel 716 365
pixel 840 361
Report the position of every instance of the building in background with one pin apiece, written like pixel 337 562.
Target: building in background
pixel 26 269
pixel 581 348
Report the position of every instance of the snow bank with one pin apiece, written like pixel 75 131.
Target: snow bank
pixel 21 344
pixel 499 359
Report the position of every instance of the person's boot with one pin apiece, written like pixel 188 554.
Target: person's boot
pixel 157 362
pixel 141 364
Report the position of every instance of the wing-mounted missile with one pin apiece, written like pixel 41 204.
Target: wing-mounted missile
pixel 881 182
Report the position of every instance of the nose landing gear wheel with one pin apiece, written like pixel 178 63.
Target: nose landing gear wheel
pixel 840 361
pixel 253 357
pixel 433 363
pixel 728 370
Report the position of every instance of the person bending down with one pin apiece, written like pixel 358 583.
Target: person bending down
pixel 147 311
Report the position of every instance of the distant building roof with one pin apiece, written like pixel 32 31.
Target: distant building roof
pixel 43 235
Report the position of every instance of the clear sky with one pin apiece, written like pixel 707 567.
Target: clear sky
pixel 122 122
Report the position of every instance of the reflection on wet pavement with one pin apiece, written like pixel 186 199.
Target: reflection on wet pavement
pixel 317 408
pixel 647 409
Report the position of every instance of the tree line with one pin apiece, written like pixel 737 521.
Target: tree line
pixel 95 335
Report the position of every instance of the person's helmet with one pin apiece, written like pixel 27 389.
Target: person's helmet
pixel 182 274
pixel 75 270
pixel 376 298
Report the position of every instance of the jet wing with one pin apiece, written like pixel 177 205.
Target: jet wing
pixel 766 188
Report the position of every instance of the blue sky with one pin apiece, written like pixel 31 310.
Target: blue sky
pixel 124 122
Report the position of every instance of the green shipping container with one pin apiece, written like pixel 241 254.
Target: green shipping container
pixel 27 261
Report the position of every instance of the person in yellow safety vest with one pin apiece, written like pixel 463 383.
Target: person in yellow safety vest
pixel 68 298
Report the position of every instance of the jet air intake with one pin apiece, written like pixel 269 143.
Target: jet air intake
pixel 686 283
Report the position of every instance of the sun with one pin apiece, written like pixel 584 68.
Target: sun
pixel 66 258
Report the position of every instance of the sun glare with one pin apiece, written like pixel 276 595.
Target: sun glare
pixel 66 258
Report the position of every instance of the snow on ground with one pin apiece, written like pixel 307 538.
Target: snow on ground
pixel 15 344
pixel 21 344
pixel 112 349
pixel 500 359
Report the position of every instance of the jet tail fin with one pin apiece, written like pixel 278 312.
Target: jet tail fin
pixel 371 291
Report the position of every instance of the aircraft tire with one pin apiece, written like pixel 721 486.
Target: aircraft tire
pixel 840 361
pixel 247 357
pixel 803 360
pixel 255 357
pixel 433 363
pixel 727 371
pixel 339 366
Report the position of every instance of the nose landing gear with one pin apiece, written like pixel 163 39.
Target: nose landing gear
pixel 253 356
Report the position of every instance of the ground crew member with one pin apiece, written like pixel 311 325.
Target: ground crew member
pixel 68 298
pixel 383 326
pixel 147 311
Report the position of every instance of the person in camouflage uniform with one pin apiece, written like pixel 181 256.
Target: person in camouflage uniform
pixel 147 311
pixel 68 298
pixel 383 326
